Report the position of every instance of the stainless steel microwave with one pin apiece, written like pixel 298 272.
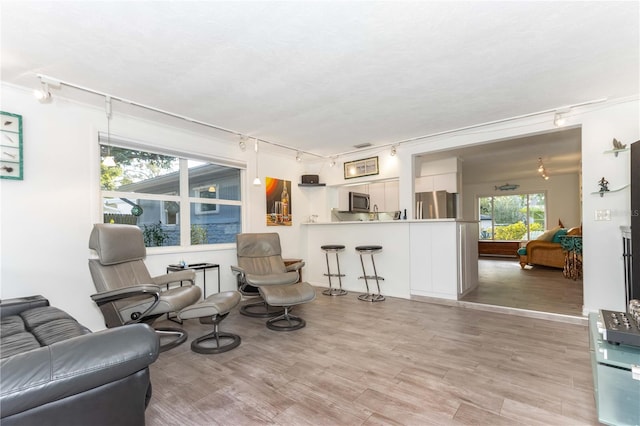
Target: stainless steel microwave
pixel 358 202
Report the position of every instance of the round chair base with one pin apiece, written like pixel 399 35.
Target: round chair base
pixel 218 339
pixel 371 297
pixel 179 337
pixel 260 310
pixel 286 322
pixel 334 292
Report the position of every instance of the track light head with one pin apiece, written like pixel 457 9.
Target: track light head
pixel 242 144
pixel 43 94
pixel 393 150
pixel 299 156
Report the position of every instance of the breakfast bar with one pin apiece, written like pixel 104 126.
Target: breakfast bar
pixel 431 258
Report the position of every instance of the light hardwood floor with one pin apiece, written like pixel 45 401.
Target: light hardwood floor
pixel 397 362
pixel 503 283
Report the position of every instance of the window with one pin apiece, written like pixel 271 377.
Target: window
pixel 176 201
pixel 512 217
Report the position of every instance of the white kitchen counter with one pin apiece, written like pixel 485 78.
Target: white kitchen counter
pixel 434 258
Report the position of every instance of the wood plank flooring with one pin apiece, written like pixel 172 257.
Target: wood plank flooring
pixel 503 283
pixel 397 362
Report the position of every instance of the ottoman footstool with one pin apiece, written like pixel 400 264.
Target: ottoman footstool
pixel 213 310
pixel 287 296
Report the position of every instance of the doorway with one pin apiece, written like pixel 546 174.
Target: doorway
pixel 486 168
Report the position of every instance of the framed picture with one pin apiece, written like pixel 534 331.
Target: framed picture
pixel 359 168
pixel 279 202
pixel 10 146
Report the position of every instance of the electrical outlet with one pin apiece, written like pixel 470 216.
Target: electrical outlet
pixel 603 214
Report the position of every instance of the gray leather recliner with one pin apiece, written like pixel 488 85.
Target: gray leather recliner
pixel 127 293
pixel 260 265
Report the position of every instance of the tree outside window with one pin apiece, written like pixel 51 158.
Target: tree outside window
pixel 511 217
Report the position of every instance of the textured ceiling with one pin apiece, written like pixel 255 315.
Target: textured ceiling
pixel 324 76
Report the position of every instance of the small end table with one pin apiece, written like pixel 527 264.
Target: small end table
pixel 198 267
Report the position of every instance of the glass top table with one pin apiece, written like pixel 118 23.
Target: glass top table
pixel 616 378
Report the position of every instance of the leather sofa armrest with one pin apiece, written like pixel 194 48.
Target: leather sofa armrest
pixel 50 373
pixel 15 306
pixel 176 277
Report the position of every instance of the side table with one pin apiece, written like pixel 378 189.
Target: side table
pixel 572 247
pixel 198 267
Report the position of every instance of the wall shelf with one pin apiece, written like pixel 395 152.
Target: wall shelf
pixel 312 184
pixel 611 190
pixel 616 151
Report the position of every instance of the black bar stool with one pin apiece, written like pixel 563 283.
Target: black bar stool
pixel 370 297
pixel 333 248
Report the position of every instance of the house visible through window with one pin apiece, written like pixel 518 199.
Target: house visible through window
pixel 512 217
pixel 176 201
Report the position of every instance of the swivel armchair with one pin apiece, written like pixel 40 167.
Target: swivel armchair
pixel 126 291
pixel 260 265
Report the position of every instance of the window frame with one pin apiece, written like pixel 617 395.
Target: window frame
pixel 185 198
pixel 527 235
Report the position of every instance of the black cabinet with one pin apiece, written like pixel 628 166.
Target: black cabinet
pixel 634 290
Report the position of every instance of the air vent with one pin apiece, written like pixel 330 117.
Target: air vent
pixel 362 145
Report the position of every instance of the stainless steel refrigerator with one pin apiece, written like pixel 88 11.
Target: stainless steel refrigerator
pixel 435 205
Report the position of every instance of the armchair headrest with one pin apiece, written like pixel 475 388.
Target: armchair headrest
pixel 258 244
pixel 117 243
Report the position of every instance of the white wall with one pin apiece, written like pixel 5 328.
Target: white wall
pixel 45 219
pixel 563 197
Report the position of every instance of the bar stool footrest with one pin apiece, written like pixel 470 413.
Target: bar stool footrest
pixel 371 277
pixel 334 292
pixel 371 297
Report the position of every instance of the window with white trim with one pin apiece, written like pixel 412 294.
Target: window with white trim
pixel 175 200
pixel 512 217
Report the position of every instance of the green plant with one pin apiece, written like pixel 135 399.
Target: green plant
pixel 154 235
pixel 198 235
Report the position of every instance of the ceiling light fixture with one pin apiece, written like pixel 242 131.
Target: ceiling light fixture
pixel 242 144
pixel 299 156
pixel 542 170
pixel 393 150
pixel 256 181
pixel 43 94
pixel 559 119
pixel 332 162
pixel 108 161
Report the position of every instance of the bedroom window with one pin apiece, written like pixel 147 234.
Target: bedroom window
pixel 512 217
pixel 175 200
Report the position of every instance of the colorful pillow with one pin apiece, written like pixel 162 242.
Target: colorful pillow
pixel 548 235
pixel 560 233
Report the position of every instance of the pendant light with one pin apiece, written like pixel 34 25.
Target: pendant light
pixel 256 181
pixel 108 160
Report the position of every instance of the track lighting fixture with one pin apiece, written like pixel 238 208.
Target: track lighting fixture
pixel 332 162
pixel 299 156
pixel 256 181
pixel 393 150
pixel 43 94
pixel 108 161
pixel 542 170
pixel 242 144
